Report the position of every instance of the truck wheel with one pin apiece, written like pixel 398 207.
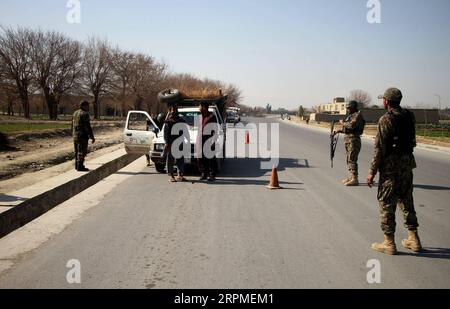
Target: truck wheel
pixel 160 168
pixel 169 96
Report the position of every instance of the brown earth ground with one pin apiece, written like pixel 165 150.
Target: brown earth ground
pixel 35 151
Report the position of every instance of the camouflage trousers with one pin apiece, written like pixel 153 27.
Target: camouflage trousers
pixel 81 149
pixel 352 147
pixel 396 189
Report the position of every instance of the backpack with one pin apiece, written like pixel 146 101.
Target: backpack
pixel 404 139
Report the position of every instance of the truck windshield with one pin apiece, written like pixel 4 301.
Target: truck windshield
pixel 189 117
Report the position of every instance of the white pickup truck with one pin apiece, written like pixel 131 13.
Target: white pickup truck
pixel 142 135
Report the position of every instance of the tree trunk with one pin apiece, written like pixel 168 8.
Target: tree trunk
pixel 49 99
pixel 10 107
pixel 138 103
pixel 25 105
pixel 124 102
pixel 96 107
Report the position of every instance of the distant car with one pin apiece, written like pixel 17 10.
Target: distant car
pixel 285 116
pixel 233 117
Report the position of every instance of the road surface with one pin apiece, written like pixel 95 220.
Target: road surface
pixel 139 231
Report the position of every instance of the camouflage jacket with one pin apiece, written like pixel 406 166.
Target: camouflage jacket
pixel 395 142
pixel 81 125
pixel 354 125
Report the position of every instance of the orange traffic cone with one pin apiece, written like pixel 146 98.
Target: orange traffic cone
pixel 247 138
pixel 273 185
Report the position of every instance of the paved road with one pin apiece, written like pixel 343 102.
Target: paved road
pixel 316 233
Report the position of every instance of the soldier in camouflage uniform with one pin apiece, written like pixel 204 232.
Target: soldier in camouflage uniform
pixel 394 159
pixel 81 132
pixel 352 127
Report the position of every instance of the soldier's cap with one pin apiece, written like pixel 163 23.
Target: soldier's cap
pixel 392 94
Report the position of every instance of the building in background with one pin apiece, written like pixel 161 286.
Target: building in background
pixel 338 107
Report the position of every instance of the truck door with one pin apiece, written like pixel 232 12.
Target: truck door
pixel 140 131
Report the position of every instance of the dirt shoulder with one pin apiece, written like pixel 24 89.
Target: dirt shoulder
pixel 35 151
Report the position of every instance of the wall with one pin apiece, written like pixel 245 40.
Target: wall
pixel 428 116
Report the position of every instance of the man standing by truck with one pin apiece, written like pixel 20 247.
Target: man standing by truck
pixel 81 132
pixel 170 136
pixel 207 162
pixel 352 127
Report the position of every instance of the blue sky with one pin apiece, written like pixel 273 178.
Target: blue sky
pixel 286 52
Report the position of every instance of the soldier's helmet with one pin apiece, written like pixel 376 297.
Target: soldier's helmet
pixel 84 103
pixel 161 117
pixel 352 104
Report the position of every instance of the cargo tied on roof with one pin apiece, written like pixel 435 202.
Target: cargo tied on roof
pixel 194 98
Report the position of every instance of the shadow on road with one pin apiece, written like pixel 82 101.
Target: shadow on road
pixel 252 167
pixel 240 168
pixel 431 187
pixel 137 173
pixel 254 182
pixel 434 253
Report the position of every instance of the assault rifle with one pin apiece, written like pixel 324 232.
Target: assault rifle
pixel 334 138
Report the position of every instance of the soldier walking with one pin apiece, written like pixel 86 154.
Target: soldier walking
pixel 81 132
pixel 394 159
pixel 353 128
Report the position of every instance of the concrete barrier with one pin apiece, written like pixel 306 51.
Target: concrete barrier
pixel 32 208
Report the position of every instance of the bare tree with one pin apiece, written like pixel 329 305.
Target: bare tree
pixel 96 71
pixel 146 79
pixel 122 65
pixel 8 91
pixel 57 66
pixel 360 96
pixel 15 51
pixel 234 95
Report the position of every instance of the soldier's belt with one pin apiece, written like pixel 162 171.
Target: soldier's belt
pixel 352 135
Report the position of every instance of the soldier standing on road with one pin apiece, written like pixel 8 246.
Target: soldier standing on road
pixel 81 132
pixel 352 127
pixel 394 159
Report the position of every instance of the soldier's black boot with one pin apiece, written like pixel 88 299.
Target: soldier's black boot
pixel 81 167
pixel 203 177
pixel 76 165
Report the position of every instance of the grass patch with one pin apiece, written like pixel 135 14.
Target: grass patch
pixel 30 127
pixel 433 133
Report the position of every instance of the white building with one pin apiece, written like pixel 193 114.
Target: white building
pixel 337 107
